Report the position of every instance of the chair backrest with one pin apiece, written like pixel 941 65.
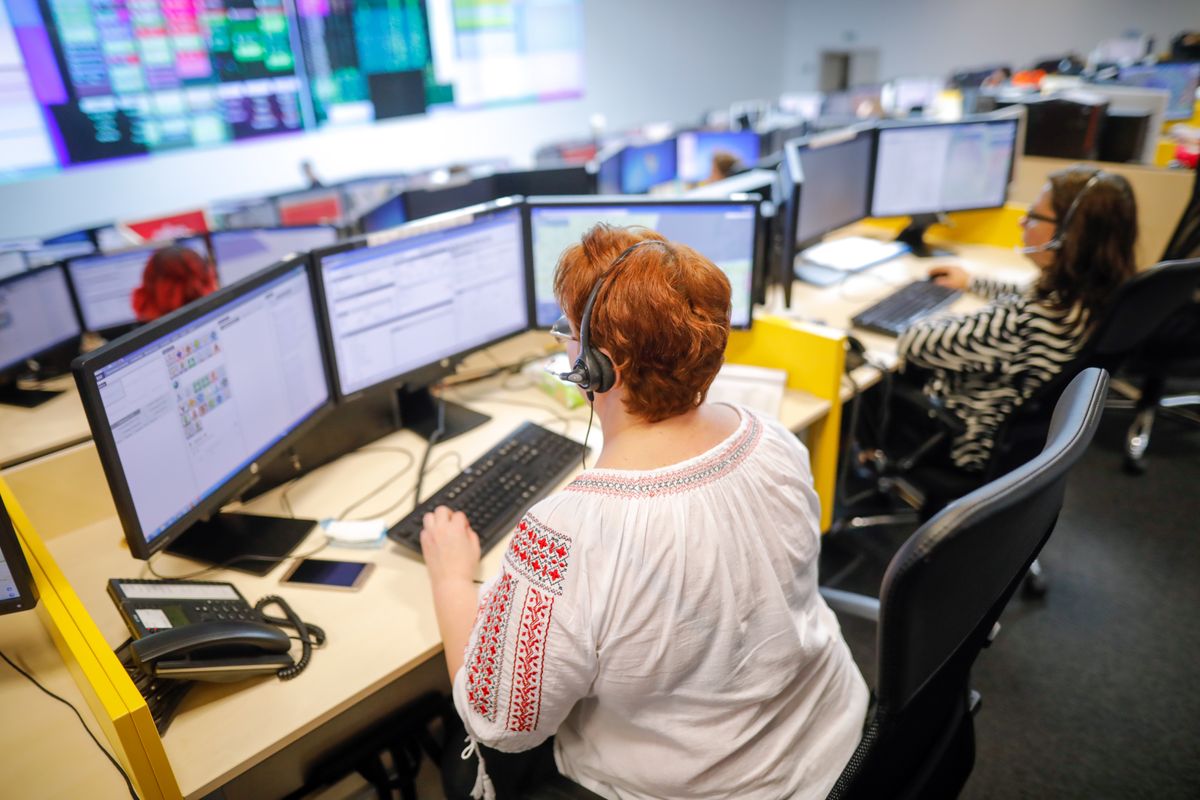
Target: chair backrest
pixel 942 593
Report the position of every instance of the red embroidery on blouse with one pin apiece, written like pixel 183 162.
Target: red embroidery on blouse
pixel 539 554
pixel 706 471
pixel 483 666
pixel 525 699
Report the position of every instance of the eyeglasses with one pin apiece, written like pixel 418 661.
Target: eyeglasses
pixel 561 330
pixel 1033 216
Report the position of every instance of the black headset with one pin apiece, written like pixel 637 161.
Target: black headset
pixel 593 370
pixel 1064 225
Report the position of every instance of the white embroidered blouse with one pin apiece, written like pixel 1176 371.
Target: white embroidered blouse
pixel 666 625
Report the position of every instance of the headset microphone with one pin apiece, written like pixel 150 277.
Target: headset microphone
pixel 1061 229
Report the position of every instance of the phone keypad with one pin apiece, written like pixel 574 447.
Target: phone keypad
pixel 220 610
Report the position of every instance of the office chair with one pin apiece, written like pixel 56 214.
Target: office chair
pixel 941 597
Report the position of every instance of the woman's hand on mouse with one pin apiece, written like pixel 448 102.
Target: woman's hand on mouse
pixel 951 276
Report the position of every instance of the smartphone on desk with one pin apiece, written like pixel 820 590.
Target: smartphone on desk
pixel 347 575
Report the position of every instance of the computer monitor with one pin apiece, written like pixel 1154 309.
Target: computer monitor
pixel 37 320
pixel 52 253
pixel 1125 100
pixel 1180 80
pixel 185 409
pixel 241 253
pixel 233 214
pixel 104 285
pixel 388 214
pixel 363 194
pixel 926 169
pixel 763 183
pixel 1061 126
pixel 324 206
pixel 645 166
pixel 902 96
pixel 17 589
pixel 421 203
pixel 608 171
pixel 724 230
pixel 404 311
pixel 570 180
pixel 697 148
pixel 12 262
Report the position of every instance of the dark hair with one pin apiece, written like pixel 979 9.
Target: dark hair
pixel 1096 255
pixel 663 316
pixel 726 164
pixel 174 276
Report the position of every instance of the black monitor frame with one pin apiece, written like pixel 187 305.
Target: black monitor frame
pixel 426 374
pixel 207 509
pixel 914 234
pixel 477 190
pixel 624 201
pixel 765 184
pixel 545 181
pixel 791 195
pixel 62 350
pixel 14 557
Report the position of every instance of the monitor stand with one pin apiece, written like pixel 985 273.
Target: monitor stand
pixel 914 237
pixel 221 539
pixel 13 395
pixel 419 413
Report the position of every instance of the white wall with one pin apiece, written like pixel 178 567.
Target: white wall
pixel 935 37
pixel 645 60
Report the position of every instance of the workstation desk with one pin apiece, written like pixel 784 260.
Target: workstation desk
pixel 258 738
pixel 58 423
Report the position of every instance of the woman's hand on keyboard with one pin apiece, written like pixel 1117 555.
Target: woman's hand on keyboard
pixel 951 276
pixel 449 545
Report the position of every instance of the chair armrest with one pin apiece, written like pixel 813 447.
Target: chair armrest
pixel 855 605
pixel 913 396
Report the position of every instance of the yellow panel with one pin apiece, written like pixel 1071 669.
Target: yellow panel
pixel 814 358
pixel 995 226
pixel 1164 152
pixel 119 708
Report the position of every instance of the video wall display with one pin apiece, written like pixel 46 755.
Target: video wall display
pixel 93 80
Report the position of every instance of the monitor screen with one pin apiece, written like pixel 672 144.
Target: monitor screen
pixel 198 400
pixel 1178 79
pixel 723 232
pixel 608 174
pixel 318 207
pixel 645 166
pixel 16 584
pixel 398 307
pixel 240 254
pixel 52 253
pixel 697 148
pixel 104 284
pixel 388 214
pixel 834 180
pixel 12 262
pixel 952 167
pixel 36 315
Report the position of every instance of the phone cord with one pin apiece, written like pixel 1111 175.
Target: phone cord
pixel 308 634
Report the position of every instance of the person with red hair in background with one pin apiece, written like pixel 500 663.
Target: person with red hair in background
pixel 174 277
pixel 658 617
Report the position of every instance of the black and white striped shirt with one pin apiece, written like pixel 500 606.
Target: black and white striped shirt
pixel 987 363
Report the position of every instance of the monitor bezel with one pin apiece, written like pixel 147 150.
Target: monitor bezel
pixel 795 173
pixel 566 201
pixel 84 370
pixel 1000 117
pixel 418 227
pixel 18 565
pixel 212 248
pixel 13 369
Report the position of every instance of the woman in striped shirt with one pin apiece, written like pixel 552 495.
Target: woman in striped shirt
pixel 1080 233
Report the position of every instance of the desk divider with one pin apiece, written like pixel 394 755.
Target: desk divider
pixel 119 708
pixel 814 358
pixel 999 227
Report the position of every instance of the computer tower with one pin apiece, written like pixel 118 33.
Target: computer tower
pixel 1123 136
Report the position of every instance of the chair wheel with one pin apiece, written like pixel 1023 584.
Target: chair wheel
pixel 1133 466
pixel 1034 586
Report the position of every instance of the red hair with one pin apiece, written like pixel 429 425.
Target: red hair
pixel 662 315
pixel 174 277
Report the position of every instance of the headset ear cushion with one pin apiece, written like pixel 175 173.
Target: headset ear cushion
pixel 600 368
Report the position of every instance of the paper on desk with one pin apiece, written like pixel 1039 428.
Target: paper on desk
pixel 852 253
pixel 757 388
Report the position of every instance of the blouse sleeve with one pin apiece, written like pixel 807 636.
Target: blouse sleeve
pixel 978 342
pixel 990 289
pixel 528 661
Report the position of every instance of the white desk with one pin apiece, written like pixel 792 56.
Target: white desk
pixel 27 433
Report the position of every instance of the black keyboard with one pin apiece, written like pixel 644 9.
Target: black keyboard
pixel 893 314
pixel 500 486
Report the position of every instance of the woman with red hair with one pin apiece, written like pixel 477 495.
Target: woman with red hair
pixel 659 617
pixel 174 277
